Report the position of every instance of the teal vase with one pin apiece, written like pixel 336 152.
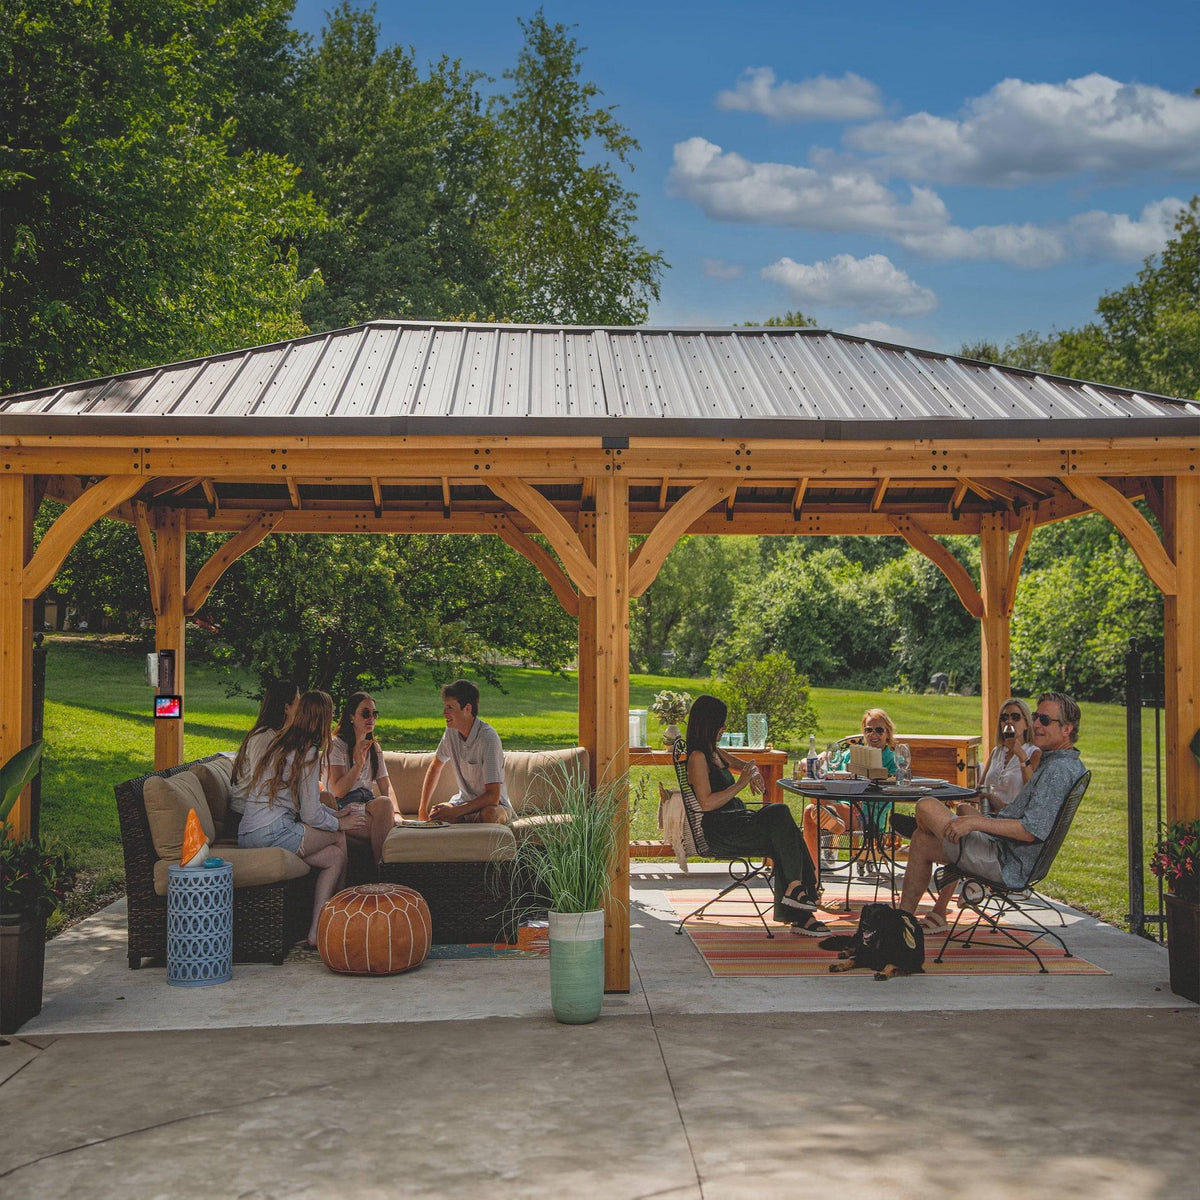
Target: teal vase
pixel 576 966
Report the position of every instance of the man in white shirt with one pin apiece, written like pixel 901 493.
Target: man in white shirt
pixel 473 747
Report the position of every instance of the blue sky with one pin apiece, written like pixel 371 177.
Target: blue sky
pixel 928 174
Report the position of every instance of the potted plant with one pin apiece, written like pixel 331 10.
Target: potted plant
pixel 568 866
pixel 1176 861
pixel 671 708
pixel 33 881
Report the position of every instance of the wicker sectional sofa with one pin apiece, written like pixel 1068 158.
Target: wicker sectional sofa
pixel 461 871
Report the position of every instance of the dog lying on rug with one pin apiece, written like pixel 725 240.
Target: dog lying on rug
pixel 888 941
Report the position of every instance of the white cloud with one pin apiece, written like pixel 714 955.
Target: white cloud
pixel 881 331
pixel 874 285
pixel 718 268
pixel 851 98
pixel 1020 132
pixel 848 199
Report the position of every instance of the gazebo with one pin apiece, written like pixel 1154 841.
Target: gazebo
pixel 587 436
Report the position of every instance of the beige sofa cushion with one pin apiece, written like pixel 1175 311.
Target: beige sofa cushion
pixel 407 773
pixel 450 843
pixel 528 775
pixel 214 778
pixel 251 867
pixel 167 802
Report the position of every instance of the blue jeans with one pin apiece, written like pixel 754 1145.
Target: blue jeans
pixel 285 831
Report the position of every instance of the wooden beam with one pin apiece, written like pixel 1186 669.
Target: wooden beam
pixel 141 522
pixel 612 703
pixel 377 494
pixel 955 572
pixel 445 496
pixel 548 521
pixel 170 526
pixel 56 543
pixel 541 558
pixel 1152 494
pixel 646 562
pixel 16 629
pixel 994 626
pixel 294 492
pixel 1136 530
pixel 206 578
pixel 1016 558
pixel 798 497
pixel 880 490
pixel 957 498
pixel 1181 646
pixel 662 493
pixel 210 494
pixel 587 655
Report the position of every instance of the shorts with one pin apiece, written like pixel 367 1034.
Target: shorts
pixel 360 795
pixel 475 818
pixel 977 853
pixel 285 831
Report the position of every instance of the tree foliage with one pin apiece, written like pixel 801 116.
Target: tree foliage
pixel 770 685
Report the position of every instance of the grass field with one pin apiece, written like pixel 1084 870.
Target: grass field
pixel 99 732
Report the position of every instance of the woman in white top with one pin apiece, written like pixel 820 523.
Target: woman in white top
pixel 280 697
pixel 284 806
pixel 1015 757
pixel 356 763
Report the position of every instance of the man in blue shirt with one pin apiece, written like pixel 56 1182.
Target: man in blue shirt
pixel 1004 847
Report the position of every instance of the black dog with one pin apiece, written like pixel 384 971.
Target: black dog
pixel 888 941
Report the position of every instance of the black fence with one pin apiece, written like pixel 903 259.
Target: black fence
pixel 1144 689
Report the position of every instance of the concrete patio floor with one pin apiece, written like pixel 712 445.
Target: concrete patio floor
pixel 454 1080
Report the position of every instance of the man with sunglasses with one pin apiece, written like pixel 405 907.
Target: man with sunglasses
pixel 1004 847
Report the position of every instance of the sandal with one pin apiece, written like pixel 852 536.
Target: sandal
pixel 811 926
pixel 935 923
pixel 794 898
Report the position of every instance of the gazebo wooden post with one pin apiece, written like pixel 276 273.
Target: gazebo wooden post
pixel 994 629
pixel 17 508
pixel 611 720
pixel 1181 644
pixel 587 652
pixel 170 583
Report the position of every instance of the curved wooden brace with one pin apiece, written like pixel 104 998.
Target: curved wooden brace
pixel 647 560
pixel 1016 558
pixel 98 500
pixel 556 577
pixel 225 557
pixel 1136 530
pixel 553 525
pixel 954 571
pixel 141 522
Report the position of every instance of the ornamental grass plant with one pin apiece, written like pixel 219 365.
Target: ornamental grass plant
pixel 568 864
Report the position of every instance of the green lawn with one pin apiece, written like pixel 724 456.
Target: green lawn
pixel 99 732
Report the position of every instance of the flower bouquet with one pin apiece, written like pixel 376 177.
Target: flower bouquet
pixel 671 708
pixel 1176 859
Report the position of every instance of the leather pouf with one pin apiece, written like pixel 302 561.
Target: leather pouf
pixel 374 929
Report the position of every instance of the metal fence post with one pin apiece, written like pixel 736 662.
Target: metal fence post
pixel 1133 789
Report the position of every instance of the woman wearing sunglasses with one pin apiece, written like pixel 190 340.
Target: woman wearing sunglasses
pixel 879 733
pixel 357 769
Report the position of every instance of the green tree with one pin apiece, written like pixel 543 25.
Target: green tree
pixel 133 231
pixel 769 685
pixel 564 232
pixel 787 320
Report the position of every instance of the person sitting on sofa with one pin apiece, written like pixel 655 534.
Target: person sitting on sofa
pixel 355 763
pixel 284 806
pixel 474 748
pixel 280 697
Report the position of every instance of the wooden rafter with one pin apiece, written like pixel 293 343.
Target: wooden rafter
pixel 1137 531
pixel 294 492
pixel 445 496
pixel 662 493
pixel 56 544
pixel 377 494
pixel 955 572
pixel 798 497
pixel 210 494
pixel 645 563
pixel 541 558
pixel 956 499
pixel 548 521
pixel 206 578
pixel 880 491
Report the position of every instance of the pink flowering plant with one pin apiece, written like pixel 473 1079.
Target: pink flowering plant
pixel 1176 859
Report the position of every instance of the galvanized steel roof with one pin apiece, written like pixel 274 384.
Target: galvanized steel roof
pixel 410 377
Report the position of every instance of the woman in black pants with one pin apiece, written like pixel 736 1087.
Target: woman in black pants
pixel 733 829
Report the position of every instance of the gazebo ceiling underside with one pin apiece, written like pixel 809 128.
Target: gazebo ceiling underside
pixel 397 426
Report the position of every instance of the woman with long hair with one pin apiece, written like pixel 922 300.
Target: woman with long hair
pixel 731 828
pixel 879 733
pixel 280 697
pixel 357 769
pixel 284 806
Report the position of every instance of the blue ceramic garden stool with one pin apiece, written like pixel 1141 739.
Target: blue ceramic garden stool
pixel 199 925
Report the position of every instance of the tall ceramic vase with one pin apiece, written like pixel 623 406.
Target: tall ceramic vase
pixel 1183 946
pixel 671 735
pixel 576 965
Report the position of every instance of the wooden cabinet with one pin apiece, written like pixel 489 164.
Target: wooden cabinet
pixel 944 756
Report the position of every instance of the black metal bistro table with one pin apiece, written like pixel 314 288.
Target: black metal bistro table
pixel 870 854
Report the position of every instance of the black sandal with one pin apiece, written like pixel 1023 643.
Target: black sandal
pixel 811 926
pixel 794 898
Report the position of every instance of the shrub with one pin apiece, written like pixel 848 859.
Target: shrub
pixel 769 685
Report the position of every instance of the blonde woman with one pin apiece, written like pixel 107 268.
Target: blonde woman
pixel 879 733
pixel 283 801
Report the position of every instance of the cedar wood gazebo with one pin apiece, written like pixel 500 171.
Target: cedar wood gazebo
pixel 586 436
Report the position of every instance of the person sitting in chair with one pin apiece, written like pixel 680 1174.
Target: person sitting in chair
pixel 474 748
pixel 1002 848
pixel 731 828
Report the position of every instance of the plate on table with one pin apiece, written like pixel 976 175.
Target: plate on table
pixel 846 787
pixel 929 783
pixel 902 791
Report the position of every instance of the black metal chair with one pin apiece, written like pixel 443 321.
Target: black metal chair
pixel 741 869
pixel 992 902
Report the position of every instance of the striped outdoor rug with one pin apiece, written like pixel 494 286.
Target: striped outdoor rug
pixel 732 942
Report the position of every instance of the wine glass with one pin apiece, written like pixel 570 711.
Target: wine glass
pixel 903 762
pixel 831 753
